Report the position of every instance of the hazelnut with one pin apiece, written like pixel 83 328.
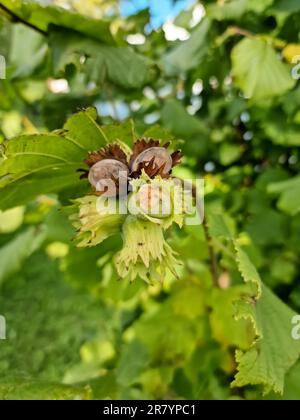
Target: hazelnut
pixel 157 157
pixel 154 201
pixel 105 170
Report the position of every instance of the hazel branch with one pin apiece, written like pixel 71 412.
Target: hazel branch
pixel 17 19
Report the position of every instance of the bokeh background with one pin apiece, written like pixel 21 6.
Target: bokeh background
pixel 222 78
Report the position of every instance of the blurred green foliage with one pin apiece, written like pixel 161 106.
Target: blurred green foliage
pixel 230 96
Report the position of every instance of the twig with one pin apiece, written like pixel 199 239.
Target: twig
pixel 236 30
pixel 115 110
pixel 16 18
pixel 212 255
pixel 29 125
pixel 112 102
pixel 232 31
pixel 208 238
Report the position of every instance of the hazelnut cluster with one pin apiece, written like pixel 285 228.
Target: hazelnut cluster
pixel 112 163
pixel 146 174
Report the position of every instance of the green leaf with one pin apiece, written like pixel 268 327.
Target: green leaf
pixel 158 132
pixel 26 155
pixel 179 122
pixel 11 220
pixel 287 6
pixel 42 17
pixel 120 65
pixel 44 182
pixel 26 43
pixel 289 202
pixel 61 320
pixel 190 53
pixel 105 388
pixel 263 233
pixel 83 263
pixel 56 108
pixel 274 351
pixel 58 228
pixel 232 9
pixel 229 153
pixel 289 195
pixel 133 361
pixel 249 273
pixel 122 132
pixel 225 329
pixel 282 133
pixel 218 227
pixel 258 71
pixel 48 163
pixel 258 6
pixel 83 130
pixel 19 249
pixel 292 386
pixel 172 317
pixel 19 389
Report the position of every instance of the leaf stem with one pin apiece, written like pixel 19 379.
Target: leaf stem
pixel 232 31
pixel 236 30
